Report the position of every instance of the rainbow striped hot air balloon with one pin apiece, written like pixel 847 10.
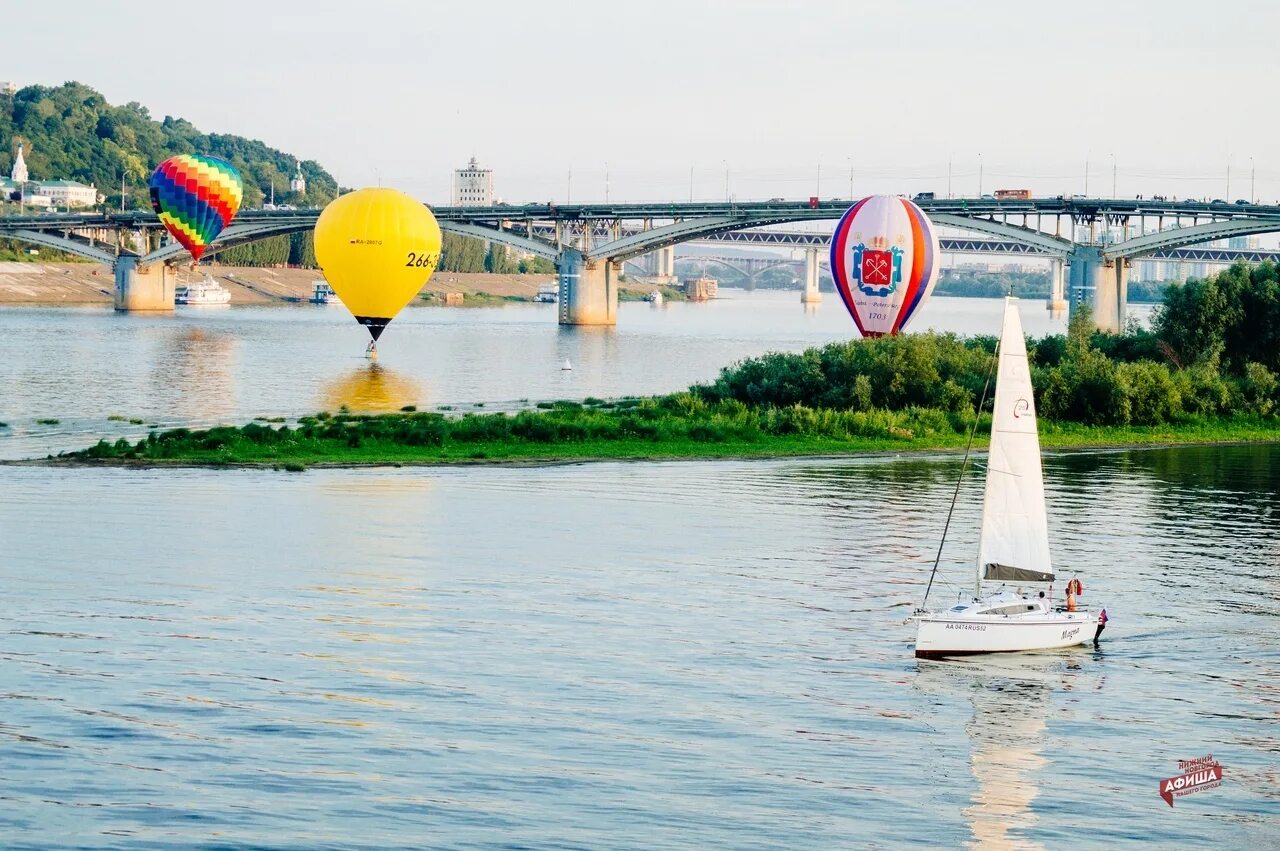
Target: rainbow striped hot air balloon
pixel 196 197
pixel 884 259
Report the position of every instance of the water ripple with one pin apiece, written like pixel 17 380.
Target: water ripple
pixel 622 655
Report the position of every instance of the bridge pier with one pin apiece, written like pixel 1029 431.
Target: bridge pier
pixel 142 288
pixel 665 268
pixel 588 289
pixel 1111 295
pixel 1057 285
pixel 1102 284
pixel 812 270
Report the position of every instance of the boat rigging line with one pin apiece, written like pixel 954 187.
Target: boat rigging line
pixel 960 478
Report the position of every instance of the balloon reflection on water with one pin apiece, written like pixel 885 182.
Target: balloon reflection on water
pixel 373 389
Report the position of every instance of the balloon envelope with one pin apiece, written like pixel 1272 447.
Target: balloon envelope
pixel 377 248
pixel 884 259
pixel 195 197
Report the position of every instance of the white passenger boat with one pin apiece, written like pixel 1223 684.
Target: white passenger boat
pixel 654 297
pixel 548 294
pixel 206 291
pixel 322 293
pixel 1014 543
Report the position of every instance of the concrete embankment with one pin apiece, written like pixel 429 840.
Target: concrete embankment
pixel 92 283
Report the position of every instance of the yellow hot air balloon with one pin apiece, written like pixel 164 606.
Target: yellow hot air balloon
pixel 377 248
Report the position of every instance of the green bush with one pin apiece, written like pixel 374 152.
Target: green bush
pixel 1259 388
pixel 1152 393
pixel 1233 317
pixel 927 370
pixel 1085 388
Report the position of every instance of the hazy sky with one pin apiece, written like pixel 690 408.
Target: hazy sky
pixel 403 92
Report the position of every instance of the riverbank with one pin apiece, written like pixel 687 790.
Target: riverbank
pixel 648 430
pixel 48 284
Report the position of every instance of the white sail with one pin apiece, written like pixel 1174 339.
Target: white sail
pixel 1015 538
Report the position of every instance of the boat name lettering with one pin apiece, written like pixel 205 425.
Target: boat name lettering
pixel 1070 633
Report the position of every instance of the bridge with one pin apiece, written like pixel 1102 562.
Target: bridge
pixel 590 242
pixel 753 266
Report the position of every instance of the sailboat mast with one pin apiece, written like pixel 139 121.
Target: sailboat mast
pixel 964 463
pixel 982 527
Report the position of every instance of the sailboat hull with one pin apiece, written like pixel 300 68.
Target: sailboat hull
pixel 942 635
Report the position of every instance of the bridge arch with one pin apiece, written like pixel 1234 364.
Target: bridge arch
pixel 1055 245
pixel 237 234
pixel 61 243
pixel 688 230
pixel 1181 237
pixel 718 261
pixel 241 234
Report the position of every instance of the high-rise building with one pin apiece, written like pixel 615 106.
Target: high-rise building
pixel 473 186
pixel 8 87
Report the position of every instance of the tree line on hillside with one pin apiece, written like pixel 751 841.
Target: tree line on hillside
pixel 71 132
pixel 1213 350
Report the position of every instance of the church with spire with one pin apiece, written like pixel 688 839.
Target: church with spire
pixel 13 187
pixel 299 183
pixel 47 194
pixel 19 173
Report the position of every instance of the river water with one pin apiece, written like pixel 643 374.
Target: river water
pixel 701 654
pixel 203 366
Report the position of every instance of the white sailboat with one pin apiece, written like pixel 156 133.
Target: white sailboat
pixel 1014 543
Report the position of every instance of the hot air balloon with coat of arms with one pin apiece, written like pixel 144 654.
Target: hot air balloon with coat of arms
pixel 884 259
pixel 196 197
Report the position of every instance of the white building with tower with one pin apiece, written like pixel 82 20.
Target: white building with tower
pixel 68 193
pixel 19 172
pixel 473 186
pixel 298 183
pixel 17 186
pixel 45 193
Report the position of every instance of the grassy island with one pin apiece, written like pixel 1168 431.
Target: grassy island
pixel 1207 371
pixel 653 429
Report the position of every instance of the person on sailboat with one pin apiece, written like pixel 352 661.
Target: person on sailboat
pixel 1074 587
